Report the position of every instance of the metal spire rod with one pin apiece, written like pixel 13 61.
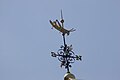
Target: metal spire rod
pixel 62 21
pixel 64 39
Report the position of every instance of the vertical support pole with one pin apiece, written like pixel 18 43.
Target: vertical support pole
pixel 65 45
pixel 67 67
pixel 68 70
pixel 64 39
pixel 65 49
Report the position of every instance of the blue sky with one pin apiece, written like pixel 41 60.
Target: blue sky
pixel 26 39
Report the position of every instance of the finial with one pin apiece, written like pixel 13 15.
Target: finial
pixel 65 54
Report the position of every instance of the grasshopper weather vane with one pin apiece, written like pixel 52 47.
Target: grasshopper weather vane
pixel 65 54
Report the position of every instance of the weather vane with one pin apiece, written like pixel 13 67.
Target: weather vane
pixel 65 54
